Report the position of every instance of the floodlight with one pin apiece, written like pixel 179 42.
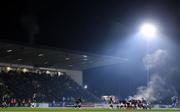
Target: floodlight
pixel 148 30
pixel 85 86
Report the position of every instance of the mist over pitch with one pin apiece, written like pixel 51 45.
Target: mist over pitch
pixel 158 86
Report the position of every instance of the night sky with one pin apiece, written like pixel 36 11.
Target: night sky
pixel 91 25
pixel 95 26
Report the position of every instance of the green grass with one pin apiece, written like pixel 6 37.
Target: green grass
pixel 82 110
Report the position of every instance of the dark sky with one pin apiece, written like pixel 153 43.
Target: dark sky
pixel 96 26
pixel 84 25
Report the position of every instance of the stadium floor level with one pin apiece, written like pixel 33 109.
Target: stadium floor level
pixel 82 110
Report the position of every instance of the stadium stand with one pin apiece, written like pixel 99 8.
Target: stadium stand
pixel 20 89
pixel 24 76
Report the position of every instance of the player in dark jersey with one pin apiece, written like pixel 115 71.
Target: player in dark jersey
pixel 78 102
pixel 110 102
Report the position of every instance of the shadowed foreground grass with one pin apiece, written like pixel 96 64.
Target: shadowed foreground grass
pixel 82 110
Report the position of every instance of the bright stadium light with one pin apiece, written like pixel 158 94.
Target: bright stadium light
pixel 148 30
pixel 25 70
pixel 8 68
pixel 85 86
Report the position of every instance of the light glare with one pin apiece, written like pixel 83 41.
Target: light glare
pixel 148 30
pixel 85 86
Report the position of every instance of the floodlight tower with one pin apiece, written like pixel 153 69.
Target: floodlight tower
pixel 148 31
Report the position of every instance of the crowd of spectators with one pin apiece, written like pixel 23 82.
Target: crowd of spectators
pixel 20 89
